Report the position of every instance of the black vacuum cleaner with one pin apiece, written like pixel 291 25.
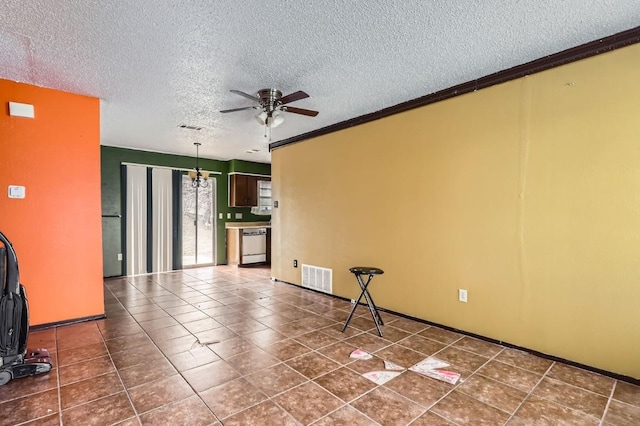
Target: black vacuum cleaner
pixel 15 359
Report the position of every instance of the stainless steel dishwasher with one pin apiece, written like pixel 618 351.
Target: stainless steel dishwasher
pixel 254 245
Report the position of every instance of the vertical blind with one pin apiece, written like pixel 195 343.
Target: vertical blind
pixel 162 220
pixel 136 220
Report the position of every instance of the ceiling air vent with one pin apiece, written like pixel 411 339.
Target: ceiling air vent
pixel 189 127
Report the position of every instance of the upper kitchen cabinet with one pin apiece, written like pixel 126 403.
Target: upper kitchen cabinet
pixel 243 191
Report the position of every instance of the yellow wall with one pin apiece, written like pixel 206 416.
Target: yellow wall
pixel 526 194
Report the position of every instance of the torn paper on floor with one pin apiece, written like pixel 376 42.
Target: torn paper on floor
pixel 444 375
pixel 430 363
pixel 381 377
pixel 388 365
pixel 433 367
pixel 360 354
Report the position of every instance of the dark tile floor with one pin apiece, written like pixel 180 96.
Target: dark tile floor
pixel 228 346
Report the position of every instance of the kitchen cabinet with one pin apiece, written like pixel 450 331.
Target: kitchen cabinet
pixel 243 190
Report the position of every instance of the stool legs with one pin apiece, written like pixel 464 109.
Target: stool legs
pixel 370 304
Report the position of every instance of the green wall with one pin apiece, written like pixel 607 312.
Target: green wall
pixel 112 158
pixel 249 167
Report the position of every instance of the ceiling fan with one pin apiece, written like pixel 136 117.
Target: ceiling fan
pixel 272 104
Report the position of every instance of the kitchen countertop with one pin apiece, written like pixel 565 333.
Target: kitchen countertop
pixel 246 225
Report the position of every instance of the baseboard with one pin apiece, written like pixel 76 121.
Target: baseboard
pixel 66 322
pixel 488 339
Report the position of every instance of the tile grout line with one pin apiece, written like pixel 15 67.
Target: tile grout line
pixel 151 340
pixel 283 362
pixel 606 408
pixel 530 393
pixel 160 350
pixel 573 409
pixel 289 298
pixel 243 376
pixel 456 386
pixel 490 404
pixel 416 333
pixel 172 364
pixel 426 410
pixel 347 404
pixel 361 332
pixel 55 339
pixel 497 381
pixel 104 342
pixel 332 394
pixel 77 381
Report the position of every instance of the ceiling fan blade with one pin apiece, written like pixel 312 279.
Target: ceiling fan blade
pixel 302 111
pixel 295 96
pixel 246 95
pixel 237 109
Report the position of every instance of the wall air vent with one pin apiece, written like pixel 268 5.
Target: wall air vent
pixel 317 278
pixel 190 127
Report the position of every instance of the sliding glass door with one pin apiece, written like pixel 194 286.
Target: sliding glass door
pixel 198 223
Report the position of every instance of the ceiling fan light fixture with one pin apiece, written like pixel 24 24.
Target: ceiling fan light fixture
pixel 277 118
pixel 262 118
pixel 272 104
pixel 273 119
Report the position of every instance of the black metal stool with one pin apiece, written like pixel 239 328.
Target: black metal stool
pixel 359 272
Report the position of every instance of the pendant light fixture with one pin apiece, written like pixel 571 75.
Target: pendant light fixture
pixel 199 179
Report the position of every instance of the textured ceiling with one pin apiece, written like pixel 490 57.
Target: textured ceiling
pixel 156 64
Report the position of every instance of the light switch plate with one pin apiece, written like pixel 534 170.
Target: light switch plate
pixel 238 215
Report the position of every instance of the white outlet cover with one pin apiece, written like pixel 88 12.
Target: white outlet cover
pixel 238 215
pixel 462 295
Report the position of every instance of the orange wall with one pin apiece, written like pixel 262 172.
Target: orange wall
pixel 56 229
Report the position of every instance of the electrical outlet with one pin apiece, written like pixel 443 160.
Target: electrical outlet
pixel 120 256
pixel 228 215
pixel 462 295
pixel 219 215
pixel 295 263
